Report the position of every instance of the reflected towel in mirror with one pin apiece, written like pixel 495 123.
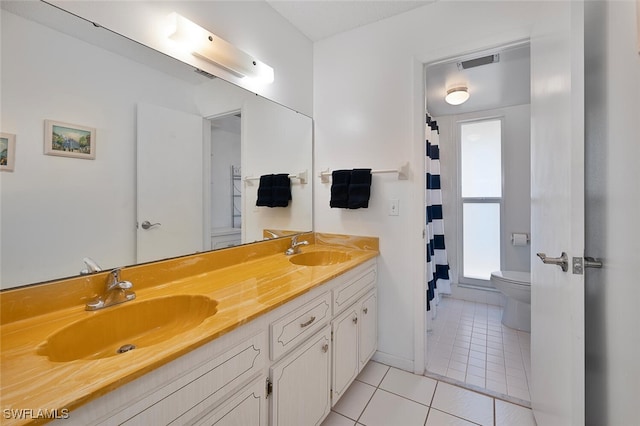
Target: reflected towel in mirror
pixel 274 190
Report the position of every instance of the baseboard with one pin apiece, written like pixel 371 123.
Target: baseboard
pixel 393 361
pixel 490 296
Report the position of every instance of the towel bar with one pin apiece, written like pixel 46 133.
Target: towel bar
pixel 302 176
pixel 403 173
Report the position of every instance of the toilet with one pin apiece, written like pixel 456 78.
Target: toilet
pixel 516 286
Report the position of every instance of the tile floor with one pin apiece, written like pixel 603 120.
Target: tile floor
pixel 386 396
pixel 468 343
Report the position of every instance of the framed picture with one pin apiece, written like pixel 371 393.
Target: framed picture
pixel 7 152
pixel 69 140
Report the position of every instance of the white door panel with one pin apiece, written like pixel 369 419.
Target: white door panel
pixel 169 182
pixel 557 215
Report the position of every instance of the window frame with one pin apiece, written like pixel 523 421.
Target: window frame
pixel 462 279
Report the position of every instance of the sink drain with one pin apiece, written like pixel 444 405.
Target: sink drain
pixel 126 348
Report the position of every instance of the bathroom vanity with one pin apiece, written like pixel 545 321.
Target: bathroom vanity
pixel 277 341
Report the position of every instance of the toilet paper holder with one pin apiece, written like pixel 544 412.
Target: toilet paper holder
pixel 520 239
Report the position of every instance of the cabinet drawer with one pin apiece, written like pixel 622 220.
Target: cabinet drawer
pixel 205 385
pixel 346 294
pixel 295 326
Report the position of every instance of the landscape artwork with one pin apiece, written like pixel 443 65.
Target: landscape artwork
pixel 69 140
pixel 7 151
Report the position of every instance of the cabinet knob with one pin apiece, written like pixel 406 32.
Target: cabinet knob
pixel 325 347
pixel 355 320
pixel 365 310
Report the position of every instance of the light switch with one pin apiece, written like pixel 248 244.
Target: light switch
pixel 394 207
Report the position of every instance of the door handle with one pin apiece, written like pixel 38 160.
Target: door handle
pixel 148 225
pixel 592 262
pixel 562 261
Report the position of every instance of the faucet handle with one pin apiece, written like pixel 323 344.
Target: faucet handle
pixel 125 285
pixel 113 281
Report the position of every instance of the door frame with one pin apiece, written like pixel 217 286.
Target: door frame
pixel 417 210
pixel 206 171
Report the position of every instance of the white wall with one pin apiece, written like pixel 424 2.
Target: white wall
pixel 612 97
pixel 290 150
pixel 46 81
pixel 369 112
pixel 516 217
pixel 252 26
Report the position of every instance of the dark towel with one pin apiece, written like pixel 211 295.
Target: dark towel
pixel 281 190
pixel 274 191
pixel 265 191
pixel 359 188
pixel 340 188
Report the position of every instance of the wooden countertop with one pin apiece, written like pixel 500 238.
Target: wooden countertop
pixel 244 291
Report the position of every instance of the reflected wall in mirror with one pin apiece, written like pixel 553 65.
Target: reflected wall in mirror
pixel 58 210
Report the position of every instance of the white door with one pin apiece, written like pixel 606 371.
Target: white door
pixel 557 215
pixel 169 183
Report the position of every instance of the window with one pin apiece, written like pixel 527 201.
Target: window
pixel 480 199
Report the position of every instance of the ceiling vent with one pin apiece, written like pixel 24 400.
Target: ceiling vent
pixel 204 73
pixel 472 63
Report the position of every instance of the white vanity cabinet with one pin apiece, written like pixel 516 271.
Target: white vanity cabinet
pixel 301 383
pixel 355 329
pixel 355 334
pixel 184 389
pixel 279 369
pixel 246 407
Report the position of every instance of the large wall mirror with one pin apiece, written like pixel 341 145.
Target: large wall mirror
pixel 177 149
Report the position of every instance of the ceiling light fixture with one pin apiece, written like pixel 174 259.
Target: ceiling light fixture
pixel 208 46
pixel 457 95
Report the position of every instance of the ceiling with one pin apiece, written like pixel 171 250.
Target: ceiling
pixel 319 19
pixel 495 85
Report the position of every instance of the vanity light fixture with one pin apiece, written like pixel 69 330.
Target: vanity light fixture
pixel 457 95
pixel 208 46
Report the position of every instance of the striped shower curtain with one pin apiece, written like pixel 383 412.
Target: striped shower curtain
pixel 437 272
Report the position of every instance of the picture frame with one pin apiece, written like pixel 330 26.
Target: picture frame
pixel 69 140
pixel 7 152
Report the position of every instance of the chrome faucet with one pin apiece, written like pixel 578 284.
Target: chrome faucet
pixel 271 234
pixel 91 266
pixel 117 291
pixel 295 246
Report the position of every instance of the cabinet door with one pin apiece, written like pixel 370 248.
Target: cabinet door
pixel 368 327
pixel 247 407
pixel 345 350
pixel 301 383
